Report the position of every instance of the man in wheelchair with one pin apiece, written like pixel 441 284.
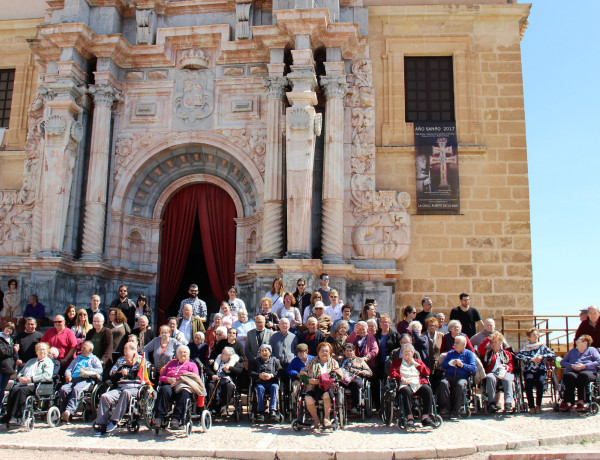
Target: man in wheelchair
pixel 355 371
pixel 124 375
pixel 79 376
pixel 264 372
pixel 35 372
pixel 458 365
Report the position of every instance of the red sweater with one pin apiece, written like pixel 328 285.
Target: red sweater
pixel 489 357
pixel 64 341
pixel 421 367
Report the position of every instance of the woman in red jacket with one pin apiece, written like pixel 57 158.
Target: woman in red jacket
pixel 411 375
pixel 498 365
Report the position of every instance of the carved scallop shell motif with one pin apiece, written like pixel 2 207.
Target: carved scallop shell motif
pixel 55 125
pixel 298 118
pixel 77 131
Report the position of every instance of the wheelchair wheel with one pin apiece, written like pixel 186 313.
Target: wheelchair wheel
pixel 296 425
pixel 133 427
pixel 342 417
pixel 368 403
pixel 206 420
pixel 465 411
pixel 97 392
pixel 387 412
pixel 147 406
pixel 437 420
pixel 53 416
pixel 594 408
pixel 85 415
pixel 189 426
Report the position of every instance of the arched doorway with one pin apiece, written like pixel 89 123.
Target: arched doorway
pixel 198 240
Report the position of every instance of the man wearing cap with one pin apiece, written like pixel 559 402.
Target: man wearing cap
pixel 324 320
pixel 313 336
pixel 591 326
pixel 264 372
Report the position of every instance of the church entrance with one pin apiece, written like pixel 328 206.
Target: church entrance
pixel 197 247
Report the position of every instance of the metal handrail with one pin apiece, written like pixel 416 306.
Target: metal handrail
pixel 537 321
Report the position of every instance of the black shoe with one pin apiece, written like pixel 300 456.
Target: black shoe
pixel 410 423
pixel 260 417
pixel 157 423
pixel 453 416
pixel 274 416
pixel 175 424
pixel 492 407
pixel 4 419
pixel 427 421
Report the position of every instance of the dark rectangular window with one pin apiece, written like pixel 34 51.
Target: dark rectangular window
pixel 429 89
pixel 7 81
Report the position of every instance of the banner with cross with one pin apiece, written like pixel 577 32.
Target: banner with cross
pixel 436 168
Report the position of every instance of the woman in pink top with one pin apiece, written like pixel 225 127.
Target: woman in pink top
pixel 170 378
pixel 228 317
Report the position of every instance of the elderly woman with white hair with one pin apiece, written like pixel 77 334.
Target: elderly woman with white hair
pixel 454 330
pixel 180 379
pixel 163 348
pixel 365 344
pixel 264 372
pixel 102 339
pixel 411 376
pixel 498 365
pixel 221 379
pixel 420 340
pixel 143 332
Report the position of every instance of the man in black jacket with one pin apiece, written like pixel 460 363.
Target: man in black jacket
pixel 312 337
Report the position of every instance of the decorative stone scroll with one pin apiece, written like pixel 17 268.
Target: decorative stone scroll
pixel 126 145
pixel 254 142
pixel 243 13
pixel 382 229
pixel 17 207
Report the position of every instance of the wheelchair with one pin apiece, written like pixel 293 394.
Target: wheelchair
pixel 592 400
pixel 253 403
pixel 90 400
pixel 365 399
pixel 517 392
pixel 338 410
pixel 44 403
pixel 140 409
pixel 392 407
pixel 186 422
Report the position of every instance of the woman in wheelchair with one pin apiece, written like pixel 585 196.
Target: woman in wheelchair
pixel 534 355
pixel 320 384
pixel 264 372
pixel 355 370
pixel 220 376
pixel 124 375
pixel 37 370
pixel 180 379
pixel 411 377
pixel 498 365
pixel 581 366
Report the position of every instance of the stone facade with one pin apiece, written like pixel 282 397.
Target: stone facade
pixel 296 110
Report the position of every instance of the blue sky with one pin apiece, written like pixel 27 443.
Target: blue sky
pixel 561 73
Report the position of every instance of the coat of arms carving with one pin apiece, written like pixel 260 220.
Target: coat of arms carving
pixel 194 96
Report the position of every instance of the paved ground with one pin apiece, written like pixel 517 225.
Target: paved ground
pixel 474 438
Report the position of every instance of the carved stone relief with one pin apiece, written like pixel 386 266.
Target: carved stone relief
pixel 194 98
pixel 382 229
pixel 254 142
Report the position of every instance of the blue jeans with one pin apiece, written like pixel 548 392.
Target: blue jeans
pixel 260 395
pixel 4 378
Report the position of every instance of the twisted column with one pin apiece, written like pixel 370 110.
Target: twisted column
pixel 273 243
pixel 332 236
pixel 95 198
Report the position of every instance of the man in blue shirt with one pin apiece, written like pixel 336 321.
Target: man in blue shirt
pixel 458 365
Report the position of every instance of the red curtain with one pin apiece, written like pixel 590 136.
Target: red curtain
pixel 216 212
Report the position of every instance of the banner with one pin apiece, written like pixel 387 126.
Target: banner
pixel 436 164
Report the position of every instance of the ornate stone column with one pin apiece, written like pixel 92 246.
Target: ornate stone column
pixel 303 124
pixel 95 198
pixel 332 239
pixel 62 135
pixel 273 211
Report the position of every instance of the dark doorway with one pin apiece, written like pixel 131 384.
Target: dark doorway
pixel 195 273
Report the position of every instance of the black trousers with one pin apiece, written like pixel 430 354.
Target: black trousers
pixel 535 380
pixel 424 392
pixel 165 396
pixel 354 386
pixel 579 380
pixel 16 399
pixel 451 394
pixel 226 389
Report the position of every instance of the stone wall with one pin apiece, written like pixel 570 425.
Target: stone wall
pixel 486 250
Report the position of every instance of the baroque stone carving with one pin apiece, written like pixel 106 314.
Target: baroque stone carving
pixel 298 118
pixel 194 96
pixel 126 144
pixel 104 95
pixel 193 59
pixel 382 229
pixel 243 13
pixel 17 206
pixel 55 125
pixel 318 124
pixel 276 87
pixel 254 143
pixel 334 86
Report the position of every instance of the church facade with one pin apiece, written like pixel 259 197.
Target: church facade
pixel 294 112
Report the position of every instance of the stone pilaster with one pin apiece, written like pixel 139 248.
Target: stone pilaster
pixel 273 243
pixel 332 239
pixel 63 132
pixel 303 124
pixel 97 183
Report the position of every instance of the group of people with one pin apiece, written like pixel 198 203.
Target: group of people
pixel 306 337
